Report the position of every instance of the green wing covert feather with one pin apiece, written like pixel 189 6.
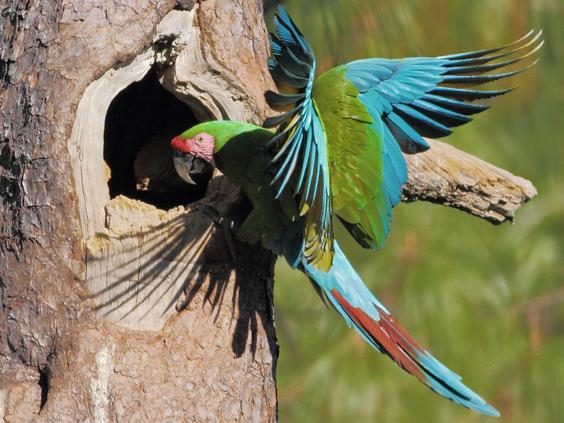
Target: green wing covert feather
pixel 365 162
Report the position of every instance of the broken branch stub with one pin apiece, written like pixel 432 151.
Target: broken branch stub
pixel 453 178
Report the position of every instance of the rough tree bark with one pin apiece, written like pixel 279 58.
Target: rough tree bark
pixel 61 358
pixel 117 303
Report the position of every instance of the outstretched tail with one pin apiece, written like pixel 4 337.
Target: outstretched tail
pixel 351 298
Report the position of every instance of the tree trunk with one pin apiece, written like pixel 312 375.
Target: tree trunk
pixel 124 295
pixel 116 309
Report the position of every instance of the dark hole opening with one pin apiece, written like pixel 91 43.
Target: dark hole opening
pixel 140 123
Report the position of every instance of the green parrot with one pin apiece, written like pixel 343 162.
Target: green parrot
pixel 338 152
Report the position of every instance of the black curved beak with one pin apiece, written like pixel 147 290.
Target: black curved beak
pixel 189 167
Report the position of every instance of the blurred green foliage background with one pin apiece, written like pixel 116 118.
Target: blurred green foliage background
pixel 488 301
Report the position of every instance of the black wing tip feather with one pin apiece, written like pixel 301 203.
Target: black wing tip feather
pixel 453 99
pixel 284 16
pixel 292 66
pixel 472 68
pixel 284 22
pixel 530 37
pixel 281 101
pixel 447 101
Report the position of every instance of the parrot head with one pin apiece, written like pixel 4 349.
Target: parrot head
pixel 193 154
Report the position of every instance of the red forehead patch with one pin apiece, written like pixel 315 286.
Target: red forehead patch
pixel 180 144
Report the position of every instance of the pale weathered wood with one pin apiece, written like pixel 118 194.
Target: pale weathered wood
pixel 448 176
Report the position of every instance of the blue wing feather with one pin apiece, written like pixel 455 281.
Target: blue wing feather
pixel 408 99
pixel 411 97
pixel 300 153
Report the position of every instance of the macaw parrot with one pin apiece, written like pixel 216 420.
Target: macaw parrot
pixel 338 152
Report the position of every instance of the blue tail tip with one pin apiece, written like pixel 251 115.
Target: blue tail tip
pixel 489 411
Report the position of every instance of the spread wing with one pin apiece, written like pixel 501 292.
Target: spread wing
pixel 371 108
pixel 300 146
pixel 340 141
pixel 426 96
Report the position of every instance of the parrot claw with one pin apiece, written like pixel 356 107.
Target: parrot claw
pixel 227 225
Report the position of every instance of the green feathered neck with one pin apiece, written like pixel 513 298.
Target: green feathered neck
pixel 222 130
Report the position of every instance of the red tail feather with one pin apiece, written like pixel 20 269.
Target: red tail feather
pixel 389 335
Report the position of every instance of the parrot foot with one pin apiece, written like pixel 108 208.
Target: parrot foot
pixel 226 224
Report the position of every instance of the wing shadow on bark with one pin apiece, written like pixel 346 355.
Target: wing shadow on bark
pixel 141 278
